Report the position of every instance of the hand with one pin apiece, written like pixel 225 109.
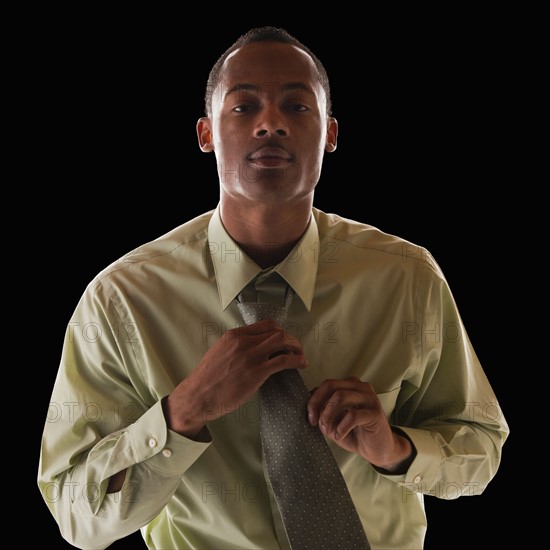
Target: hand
pixel 349 413
pixel 230 372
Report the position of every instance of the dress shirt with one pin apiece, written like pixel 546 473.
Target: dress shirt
pixel 366 304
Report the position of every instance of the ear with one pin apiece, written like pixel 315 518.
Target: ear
pixel 332 135
pixel 204 134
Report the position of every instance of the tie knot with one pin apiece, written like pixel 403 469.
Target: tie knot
pixel 252 311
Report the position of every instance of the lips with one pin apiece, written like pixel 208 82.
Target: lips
pixel 270 156
pixel 270 152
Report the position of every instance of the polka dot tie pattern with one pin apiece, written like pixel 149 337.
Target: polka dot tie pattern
pixel 314 502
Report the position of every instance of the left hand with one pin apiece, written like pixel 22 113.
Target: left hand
pixel 349 413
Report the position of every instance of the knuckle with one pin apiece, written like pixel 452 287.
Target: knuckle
pixel 331 383
pixel 368 387
pixel 338 397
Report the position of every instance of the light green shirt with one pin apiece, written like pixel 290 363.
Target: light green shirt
pixel 367 304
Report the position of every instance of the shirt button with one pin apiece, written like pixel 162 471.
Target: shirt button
pixel 167 453
pixel 417 479
pixel 152 442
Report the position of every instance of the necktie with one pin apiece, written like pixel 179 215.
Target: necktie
pixel 313 500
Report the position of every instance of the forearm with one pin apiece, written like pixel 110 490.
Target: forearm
pixel 153 459
pixel 181 418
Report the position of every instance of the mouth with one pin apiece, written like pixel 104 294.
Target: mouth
pixel 270 157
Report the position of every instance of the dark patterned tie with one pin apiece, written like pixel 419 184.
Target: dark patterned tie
pixel 311 493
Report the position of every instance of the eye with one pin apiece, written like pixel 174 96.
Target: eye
pixel 298 107
pixel 243 106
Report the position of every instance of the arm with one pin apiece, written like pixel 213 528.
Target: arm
pixel 446 432
pixel 103 420
pixel 113 452
pixel 448 408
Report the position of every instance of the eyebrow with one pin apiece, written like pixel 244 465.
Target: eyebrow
pixel 255 88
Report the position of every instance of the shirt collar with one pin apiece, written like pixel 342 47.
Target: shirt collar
pixel 234 269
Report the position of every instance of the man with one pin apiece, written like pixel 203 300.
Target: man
pixel 155 416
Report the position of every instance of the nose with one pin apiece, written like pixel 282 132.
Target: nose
pixel 270 122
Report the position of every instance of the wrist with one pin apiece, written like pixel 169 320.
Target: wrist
pixel 177 421
pixel 403 456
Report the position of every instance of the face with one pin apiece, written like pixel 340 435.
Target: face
pixel 268 128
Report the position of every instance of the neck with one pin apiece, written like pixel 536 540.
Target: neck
pixel 266 232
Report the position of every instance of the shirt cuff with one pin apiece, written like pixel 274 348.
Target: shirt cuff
pixel 423 470
pixel 164 451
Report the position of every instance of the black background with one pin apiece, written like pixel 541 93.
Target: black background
pixel 420 100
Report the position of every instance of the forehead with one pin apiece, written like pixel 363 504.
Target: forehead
pixel 270 64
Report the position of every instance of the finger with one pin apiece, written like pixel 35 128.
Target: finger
pixel 275 359
pixel 259 327
pixel 280 342
pixel 268 348
pixel 353 418
pixel 334 410
pixel 270 338
pixel 252 335
pixel 285 361
pixel 323 393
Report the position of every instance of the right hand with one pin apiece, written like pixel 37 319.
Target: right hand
pixel 229 373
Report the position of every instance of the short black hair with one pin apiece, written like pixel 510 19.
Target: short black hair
pixel 264 34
